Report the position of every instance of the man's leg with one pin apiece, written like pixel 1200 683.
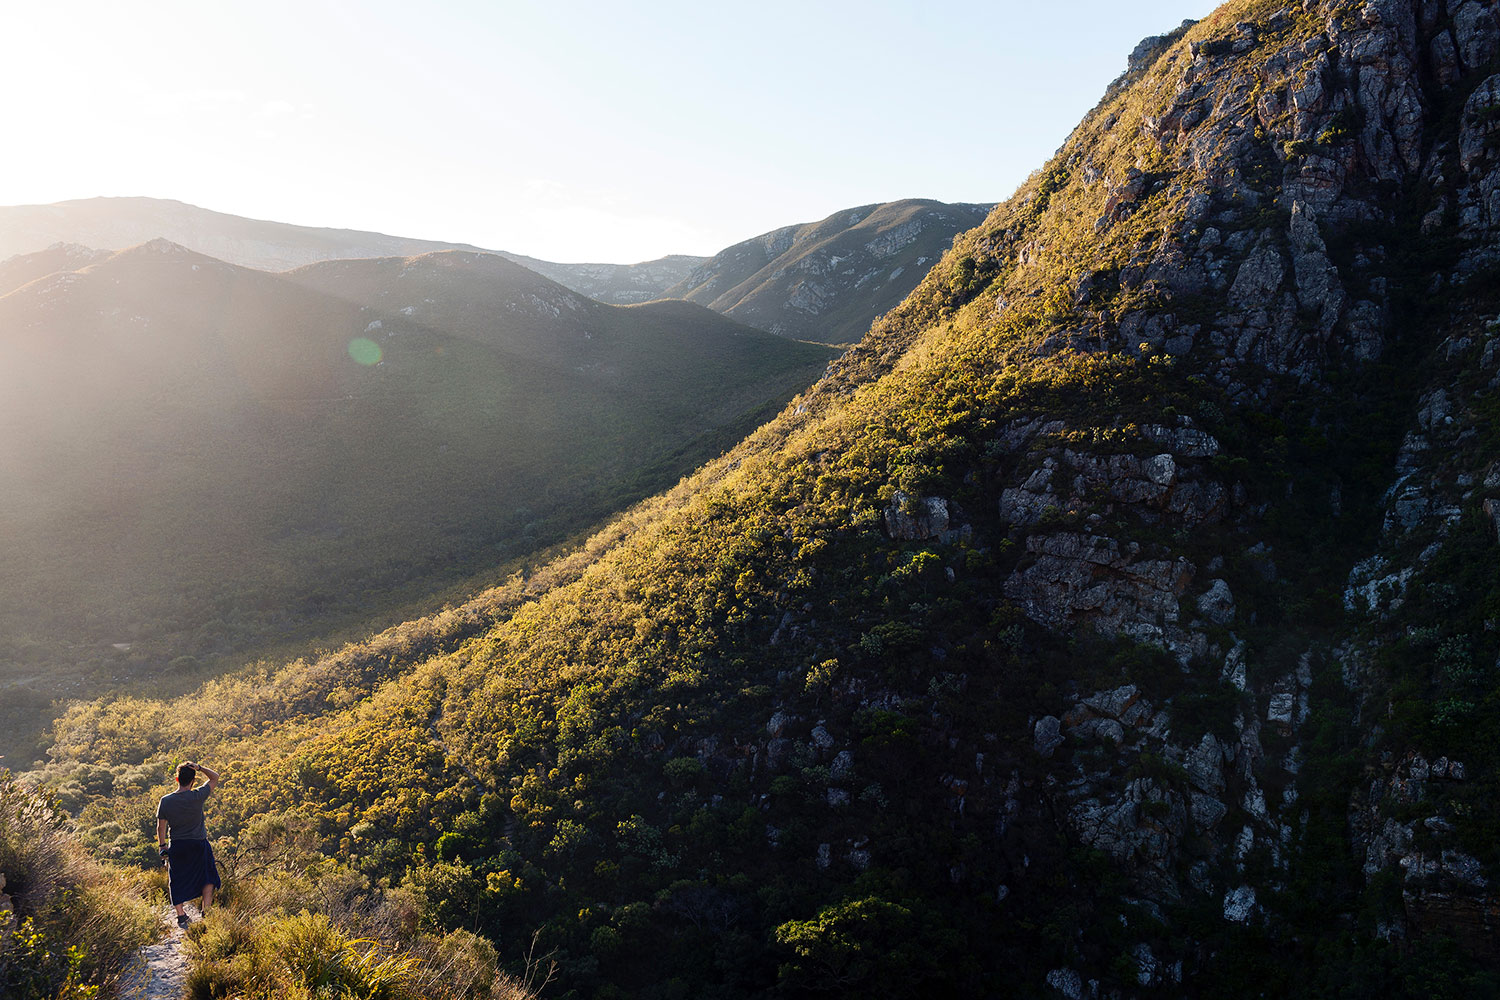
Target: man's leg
pixel 208 896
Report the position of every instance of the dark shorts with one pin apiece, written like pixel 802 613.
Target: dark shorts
pixel 191 866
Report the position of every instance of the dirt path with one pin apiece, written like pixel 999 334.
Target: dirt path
pixel 161 971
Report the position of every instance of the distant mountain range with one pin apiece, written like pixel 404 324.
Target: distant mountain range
pixel 1119 619
pixel 201 457
pixel 25 268
pixel 620 284
pixel 118 223
pixel 824 281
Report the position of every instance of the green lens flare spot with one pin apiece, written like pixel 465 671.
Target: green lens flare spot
pixel 365 351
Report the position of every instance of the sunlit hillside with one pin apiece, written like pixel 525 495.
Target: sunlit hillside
pixel 826 281
pixel 207 460
pixel 1119 618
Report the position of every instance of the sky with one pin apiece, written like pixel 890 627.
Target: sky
pixel 569 130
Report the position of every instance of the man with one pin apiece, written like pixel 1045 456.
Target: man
pixel 191 870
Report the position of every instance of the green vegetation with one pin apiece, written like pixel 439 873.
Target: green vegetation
pixel 550 771
pixel 68 927
pixel 248 491
pixel 773 729
pixel 264 940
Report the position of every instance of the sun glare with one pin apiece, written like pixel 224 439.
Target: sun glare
pixel 364 351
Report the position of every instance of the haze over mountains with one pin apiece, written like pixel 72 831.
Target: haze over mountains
pixel 118 223
pixel 819 281
pixel 826 281
pixel 207 467
pixel 621 284
pixel 203 457
pixel 1120 618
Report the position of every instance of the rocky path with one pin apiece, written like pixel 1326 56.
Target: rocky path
pixel 161 971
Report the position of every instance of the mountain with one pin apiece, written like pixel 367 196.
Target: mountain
pixel 118 223
pixel 23 269
pixel 1118 618
pixel 826 281
pixel 620 284
pixel 823 282
pixel 471 293
pixel 203 460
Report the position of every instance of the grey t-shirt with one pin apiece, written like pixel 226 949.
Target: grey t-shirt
pixel 183 811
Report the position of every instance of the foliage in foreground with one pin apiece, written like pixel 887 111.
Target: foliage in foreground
pixel 71 926
pixel 291 923
pixel 768 744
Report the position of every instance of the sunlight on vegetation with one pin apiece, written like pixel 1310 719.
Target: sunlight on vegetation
pixel 782 727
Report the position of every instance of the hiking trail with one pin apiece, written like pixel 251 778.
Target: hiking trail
pixel 160 973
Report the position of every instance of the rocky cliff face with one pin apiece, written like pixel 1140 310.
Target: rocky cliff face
pixel 1321 180
pixel 1120 616
pixel 1294 207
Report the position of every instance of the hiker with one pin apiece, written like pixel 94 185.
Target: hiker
pixel 191 870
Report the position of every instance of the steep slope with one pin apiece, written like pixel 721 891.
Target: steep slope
pixel 1117 618
pixel 827 281
pixel 203 458
pixel 23 269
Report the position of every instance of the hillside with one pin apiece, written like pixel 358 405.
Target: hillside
pixel 1118 618
pixel 23 269
pixel 499 304
pixel 824 282
pixel 119 223
pixel 205 460
pixel 619 284
pixel 827 281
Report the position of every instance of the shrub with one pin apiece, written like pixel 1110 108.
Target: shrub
pixel 80 923
pixel 683 771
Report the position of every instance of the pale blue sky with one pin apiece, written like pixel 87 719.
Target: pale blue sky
pixel 569 131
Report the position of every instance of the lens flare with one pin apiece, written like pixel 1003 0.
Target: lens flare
pixel 364 351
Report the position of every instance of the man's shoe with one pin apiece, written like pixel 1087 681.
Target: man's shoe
pixel 182 920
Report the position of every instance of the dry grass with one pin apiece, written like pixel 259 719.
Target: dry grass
pixel 324 930
pixel 77 924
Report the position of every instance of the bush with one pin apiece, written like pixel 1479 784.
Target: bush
pixel 79 924
pixel 300 956
pixel 683 771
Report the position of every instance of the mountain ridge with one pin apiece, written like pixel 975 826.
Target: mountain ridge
pixel 116 223
pixel 1108 622
pixel 274 246
pixel 217 457
pixel 785 281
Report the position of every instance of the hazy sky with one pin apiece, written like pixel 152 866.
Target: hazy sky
pixel 566 130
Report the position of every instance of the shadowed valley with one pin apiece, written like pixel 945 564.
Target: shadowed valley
pixel 209 460
pixel 1120 617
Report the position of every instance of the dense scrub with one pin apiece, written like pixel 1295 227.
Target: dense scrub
pixel 68 927
pixel 781 728
pixel 208 473
pixel 294 924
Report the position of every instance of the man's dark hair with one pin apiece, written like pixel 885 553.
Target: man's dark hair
pixel 186 774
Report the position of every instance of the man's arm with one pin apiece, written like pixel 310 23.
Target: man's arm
pixel 213 776
pixel 161 832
